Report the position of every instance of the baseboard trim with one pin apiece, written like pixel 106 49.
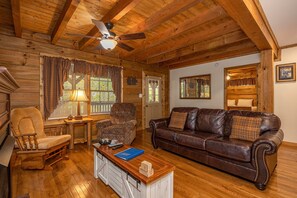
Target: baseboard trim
pixel 293 144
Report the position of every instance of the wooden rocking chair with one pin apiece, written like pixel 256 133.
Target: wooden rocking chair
pixel 35 148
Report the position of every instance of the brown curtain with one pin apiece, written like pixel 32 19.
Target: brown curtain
pixel 81 67
pixel 99 70
pixel 115 75
pixel 55 73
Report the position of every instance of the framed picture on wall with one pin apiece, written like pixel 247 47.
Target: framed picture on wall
pixel 286 72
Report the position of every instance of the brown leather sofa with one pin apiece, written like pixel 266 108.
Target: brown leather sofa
pixel 205 139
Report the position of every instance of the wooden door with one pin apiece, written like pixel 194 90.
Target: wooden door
pixel 153 99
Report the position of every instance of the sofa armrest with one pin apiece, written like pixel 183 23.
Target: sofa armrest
pixel 157 123
pixel 264 155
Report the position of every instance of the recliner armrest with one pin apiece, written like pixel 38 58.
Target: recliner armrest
pixel 103 124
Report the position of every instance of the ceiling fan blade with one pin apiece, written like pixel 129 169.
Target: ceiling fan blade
pixel 133 36
pixel 124 46
pixel 82 35
pixel 101 27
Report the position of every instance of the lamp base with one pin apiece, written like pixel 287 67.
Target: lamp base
pixel 78 117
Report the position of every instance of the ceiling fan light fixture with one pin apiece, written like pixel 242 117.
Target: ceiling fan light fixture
pixel 108 44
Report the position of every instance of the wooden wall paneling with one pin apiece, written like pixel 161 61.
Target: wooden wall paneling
pixel 265 82
pixel 131 92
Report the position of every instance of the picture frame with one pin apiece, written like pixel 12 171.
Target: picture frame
pixel 286 72
pixel 195 87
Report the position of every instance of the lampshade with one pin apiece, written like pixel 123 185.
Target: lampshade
pixel 108 44
pixel 79 95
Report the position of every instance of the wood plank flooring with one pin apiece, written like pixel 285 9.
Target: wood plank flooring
pixel 74 177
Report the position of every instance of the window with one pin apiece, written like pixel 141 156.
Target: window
pixel 67 107
pixel 153 90
pixel 102 95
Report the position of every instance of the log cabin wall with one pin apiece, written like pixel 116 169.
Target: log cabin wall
pixel 21 56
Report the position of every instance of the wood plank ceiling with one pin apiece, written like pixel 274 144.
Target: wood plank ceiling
pixel 178 33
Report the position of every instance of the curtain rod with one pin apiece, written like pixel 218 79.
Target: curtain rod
pixel 71 58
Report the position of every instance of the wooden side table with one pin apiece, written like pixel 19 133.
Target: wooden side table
pixel 70 128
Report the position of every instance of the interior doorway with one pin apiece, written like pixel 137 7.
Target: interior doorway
pixel 153 98
pixel 241 88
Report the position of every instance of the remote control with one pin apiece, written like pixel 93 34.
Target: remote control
pixel 113 145
pixel 116 147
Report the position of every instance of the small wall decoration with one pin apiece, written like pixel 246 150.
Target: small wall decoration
pixel 286 72
pixel 131 80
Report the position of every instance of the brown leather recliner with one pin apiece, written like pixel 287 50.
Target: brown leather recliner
pixel 121 126
pixel 205 139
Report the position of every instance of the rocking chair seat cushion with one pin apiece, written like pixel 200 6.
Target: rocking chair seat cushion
pixel 51 141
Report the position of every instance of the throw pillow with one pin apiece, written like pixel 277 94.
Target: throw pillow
pixel 231 103
pixel 245 102
pixel 178 120
pixel 245 128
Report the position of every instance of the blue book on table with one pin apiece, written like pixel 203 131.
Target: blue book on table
pixel 129 153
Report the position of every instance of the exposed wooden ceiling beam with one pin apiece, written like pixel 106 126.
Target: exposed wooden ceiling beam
pixel 174 8
pixel 177 30
pixel 181 59
pixel 16 15
pixel 218 54
pixel 223 28
pixel 115 14
pixel 68 10
pixel 252 21
pixel 196 48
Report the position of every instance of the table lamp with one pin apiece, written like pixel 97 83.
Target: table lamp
pixel 78 96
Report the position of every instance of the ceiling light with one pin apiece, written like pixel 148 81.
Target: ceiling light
pixel 108 44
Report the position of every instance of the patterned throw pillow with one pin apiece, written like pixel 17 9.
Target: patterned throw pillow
pixel 178 120
pixel 245 128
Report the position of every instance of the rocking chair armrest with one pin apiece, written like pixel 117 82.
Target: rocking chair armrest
pixel 26 134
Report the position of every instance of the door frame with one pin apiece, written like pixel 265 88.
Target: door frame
pixel 163 94
pixel 236 67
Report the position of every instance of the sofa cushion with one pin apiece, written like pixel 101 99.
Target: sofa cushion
pixel 166 133
pixel 192 115
pixel 245 128
pixel 194 139
pixel 178 120
pixel 230 148
pixel 269 120
pixel 211 120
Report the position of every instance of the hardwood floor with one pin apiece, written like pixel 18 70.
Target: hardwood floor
pixel 74 177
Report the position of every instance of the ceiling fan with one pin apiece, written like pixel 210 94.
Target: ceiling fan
pixel 109 39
